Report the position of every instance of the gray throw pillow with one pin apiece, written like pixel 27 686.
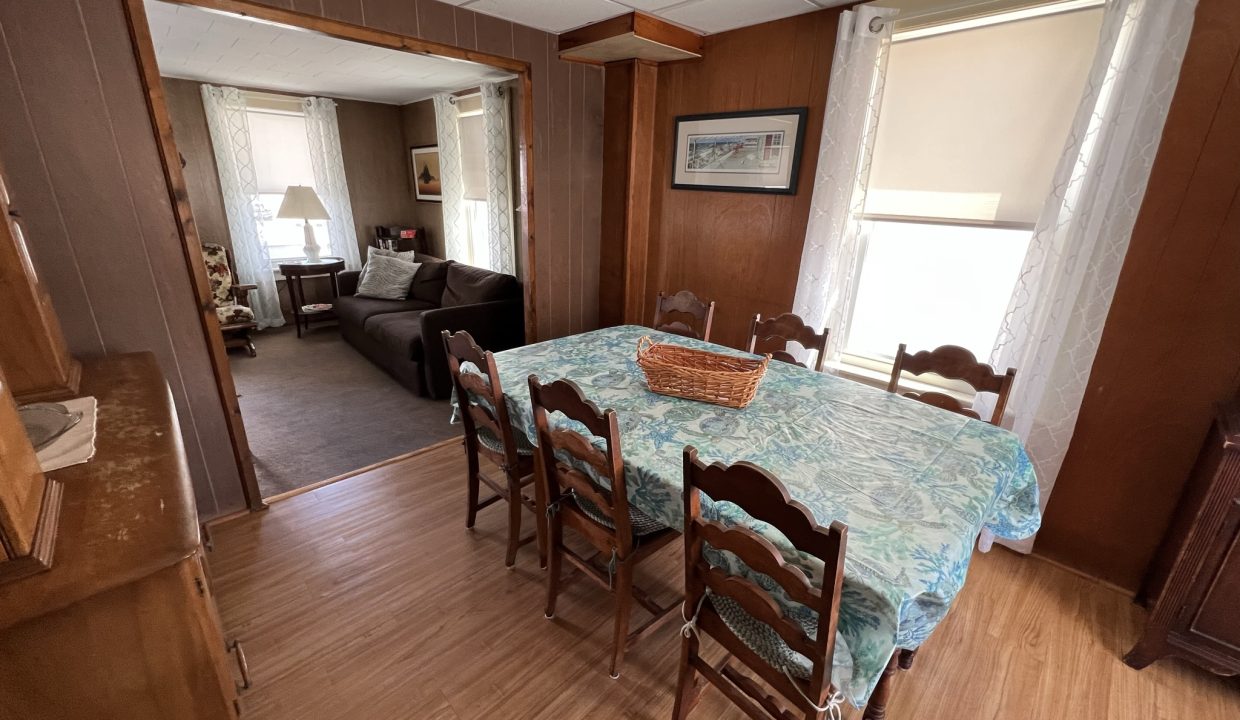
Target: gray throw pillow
pixel 372 251
pixel 388 278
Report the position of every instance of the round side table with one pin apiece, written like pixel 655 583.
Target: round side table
pixel 293 271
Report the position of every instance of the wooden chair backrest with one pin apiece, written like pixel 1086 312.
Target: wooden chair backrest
pixel 561 478
pixel 763 497
pixel 470 386
pixel 671 311
pixel 785 328
pixel 954 363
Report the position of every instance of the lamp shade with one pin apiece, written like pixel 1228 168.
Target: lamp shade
pixel 301 202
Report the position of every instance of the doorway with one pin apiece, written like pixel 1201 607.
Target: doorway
pixel 314 406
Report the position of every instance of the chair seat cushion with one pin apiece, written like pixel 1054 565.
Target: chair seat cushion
pixel 762 638
pixel 400 333
pixel 234 314
pixel 355 311
pixel 492 443
pixel 642 523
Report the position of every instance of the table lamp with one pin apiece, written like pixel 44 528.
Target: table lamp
pixel 302 202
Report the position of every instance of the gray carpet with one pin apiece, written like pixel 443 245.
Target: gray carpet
pixel 314 408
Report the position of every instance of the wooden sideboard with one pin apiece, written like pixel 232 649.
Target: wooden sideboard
pixel 1193 584
pixel 123 624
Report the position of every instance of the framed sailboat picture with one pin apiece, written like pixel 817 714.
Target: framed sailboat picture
pixel 426 182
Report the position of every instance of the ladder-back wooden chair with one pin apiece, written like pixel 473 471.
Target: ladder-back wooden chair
pixel 741 615
pixel 954 363
pixel 584 489
pixel 489 433
pixel 785 328
pixel 684 314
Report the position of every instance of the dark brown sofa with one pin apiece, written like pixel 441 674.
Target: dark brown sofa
pixel 404 336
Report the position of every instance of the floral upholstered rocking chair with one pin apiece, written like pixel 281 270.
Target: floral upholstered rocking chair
pixel 231 299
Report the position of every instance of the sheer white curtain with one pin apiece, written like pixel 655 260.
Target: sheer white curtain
pixel 323 137
pixel 451 188
pixel 832 238
pixel 499 178
pixel 1055 317
pixel 234 158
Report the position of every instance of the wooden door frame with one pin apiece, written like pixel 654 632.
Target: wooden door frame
pixel 161 124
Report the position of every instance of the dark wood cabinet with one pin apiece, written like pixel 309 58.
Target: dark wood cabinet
pixel 1193 584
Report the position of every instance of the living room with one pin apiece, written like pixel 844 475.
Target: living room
pixel 340 140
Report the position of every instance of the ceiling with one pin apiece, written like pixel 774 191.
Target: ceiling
pixel 704 16
pixel 196 44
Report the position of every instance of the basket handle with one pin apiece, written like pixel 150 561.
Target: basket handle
pixel 644 345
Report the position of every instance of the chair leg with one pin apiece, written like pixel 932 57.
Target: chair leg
pixel 472 481
pixel 624 607
pixel 554 552
pixel 687 690
pixel 514 521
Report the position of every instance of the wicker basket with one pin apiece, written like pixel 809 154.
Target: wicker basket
pixel 700 375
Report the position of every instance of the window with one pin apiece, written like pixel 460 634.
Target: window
pixel 474 180
pixel 281 158
pixel 972 125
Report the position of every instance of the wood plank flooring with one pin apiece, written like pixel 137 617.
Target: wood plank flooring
pixel 367 599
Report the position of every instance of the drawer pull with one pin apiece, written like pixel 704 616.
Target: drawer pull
pixel 235 648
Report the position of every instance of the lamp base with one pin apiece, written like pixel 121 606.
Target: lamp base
pixel 311 250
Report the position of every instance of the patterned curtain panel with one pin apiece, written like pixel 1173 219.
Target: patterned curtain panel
pixel 499 178
pixel 833 236
pixel 323 135
pixel 230 138
pixel 1054 320
pixel 451 188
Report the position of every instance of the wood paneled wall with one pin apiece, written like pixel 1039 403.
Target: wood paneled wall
pixel 1171 345
pixel 741 250
pixel 417 124
pixel 202 177
pixel 79 148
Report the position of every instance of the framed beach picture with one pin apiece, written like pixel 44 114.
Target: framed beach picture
pixel 752 151
pixel 426 184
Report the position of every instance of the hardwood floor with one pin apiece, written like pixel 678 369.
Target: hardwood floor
pixel 368 599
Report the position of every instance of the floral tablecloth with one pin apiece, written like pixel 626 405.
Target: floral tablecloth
pixel 915 484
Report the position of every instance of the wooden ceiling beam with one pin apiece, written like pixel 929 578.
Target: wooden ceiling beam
pixel 635 36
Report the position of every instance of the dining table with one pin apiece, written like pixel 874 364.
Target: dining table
pixel 915 484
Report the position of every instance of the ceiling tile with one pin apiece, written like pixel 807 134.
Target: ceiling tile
pixel 554 16
pixel 198 45
pixel 650 6
pixel 712 16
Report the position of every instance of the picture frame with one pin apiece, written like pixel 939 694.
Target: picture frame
pixel 424 160
pixel 754 151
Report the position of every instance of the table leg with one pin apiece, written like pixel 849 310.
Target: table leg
pixel 294 297
pixel 335 285
pixel 876 709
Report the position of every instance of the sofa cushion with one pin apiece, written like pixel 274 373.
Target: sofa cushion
pixel 469 285
pixel 355 310
pixel 399 333
pixel 429 281
pixel 372 251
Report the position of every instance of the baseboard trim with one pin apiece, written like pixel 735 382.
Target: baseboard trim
pixel 1126 592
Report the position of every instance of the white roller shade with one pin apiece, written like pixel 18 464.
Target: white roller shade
pixel 281 151
pixel 473 157
pixel 974 121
